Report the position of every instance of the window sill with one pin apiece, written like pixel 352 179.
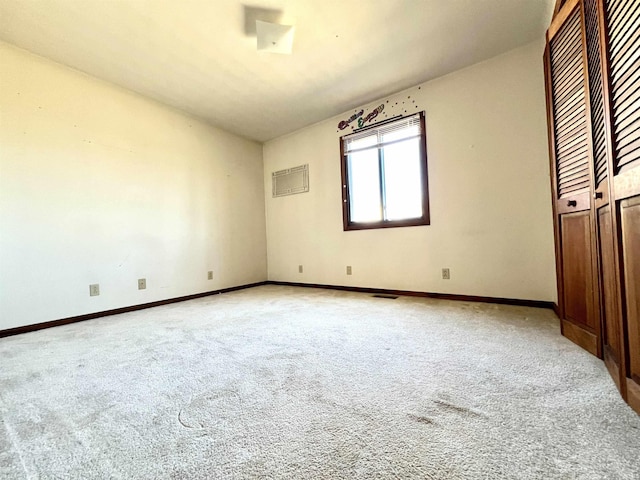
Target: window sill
pixel 412 222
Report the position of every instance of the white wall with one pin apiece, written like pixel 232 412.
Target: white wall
pixel 491 220
pixel 100 185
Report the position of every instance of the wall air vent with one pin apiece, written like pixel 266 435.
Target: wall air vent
pixel 290 181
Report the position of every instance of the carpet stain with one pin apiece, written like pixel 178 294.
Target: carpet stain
pixel 421 419
pixel 185 425
pixel 218 407
pixel 456 408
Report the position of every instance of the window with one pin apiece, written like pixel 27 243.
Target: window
pixel 384 175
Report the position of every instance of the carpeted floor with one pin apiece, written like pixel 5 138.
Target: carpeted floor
pixel 281 382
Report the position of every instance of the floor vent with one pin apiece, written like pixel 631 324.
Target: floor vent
pixel 380 295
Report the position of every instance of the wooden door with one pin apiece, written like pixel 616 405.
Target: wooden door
pixel 603 213
pixel 570 133
pixel 621 21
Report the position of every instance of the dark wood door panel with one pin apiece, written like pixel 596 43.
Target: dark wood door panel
pixel 630 232
pixel 608 294
pixel 580 336
pixel 575 232
pixel 633 394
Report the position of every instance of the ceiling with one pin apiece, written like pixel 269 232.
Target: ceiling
pixel 201 57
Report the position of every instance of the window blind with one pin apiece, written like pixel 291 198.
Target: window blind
pixel 376 137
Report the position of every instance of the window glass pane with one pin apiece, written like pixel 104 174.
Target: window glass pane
pixel 403 182
pixel 364 186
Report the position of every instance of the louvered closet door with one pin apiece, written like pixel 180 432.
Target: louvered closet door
pixel 623 26
pixel 571 155
pixel 606 251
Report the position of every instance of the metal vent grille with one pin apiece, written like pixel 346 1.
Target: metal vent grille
pixel 290 181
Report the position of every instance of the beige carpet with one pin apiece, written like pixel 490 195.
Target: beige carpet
pixel 281 382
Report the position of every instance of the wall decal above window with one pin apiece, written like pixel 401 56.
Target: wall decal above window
pixel 345 123
pixel 397 105
pixel 362 121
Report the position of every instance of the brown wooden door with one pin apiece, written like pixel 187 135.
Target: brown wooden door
pixel 570 132
pixel 621 20
pixel 603 214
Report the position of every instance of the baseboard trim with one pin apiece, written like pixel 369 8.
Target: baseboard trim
pixel 411 293
pixel 90 316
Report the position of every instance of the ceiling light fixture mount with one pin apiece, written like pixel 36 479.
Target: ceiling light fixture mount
pixel 274 38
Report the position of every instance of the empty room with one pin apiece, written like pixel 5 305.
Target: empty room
pixel 301 239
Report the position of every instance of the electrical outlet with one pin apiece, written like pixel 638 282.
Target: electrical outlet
pixel 94 290
pixel 210 275
pixel 142 283
pixel 300 269
pixel 348 269
pixel 446 275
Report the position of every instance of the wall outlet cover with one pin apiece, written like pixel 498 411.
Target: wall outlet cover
pixel 446 274
pixel 142 283
pixel 300 269
pixel 210 275
pixel 349 271
pixel 94 290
